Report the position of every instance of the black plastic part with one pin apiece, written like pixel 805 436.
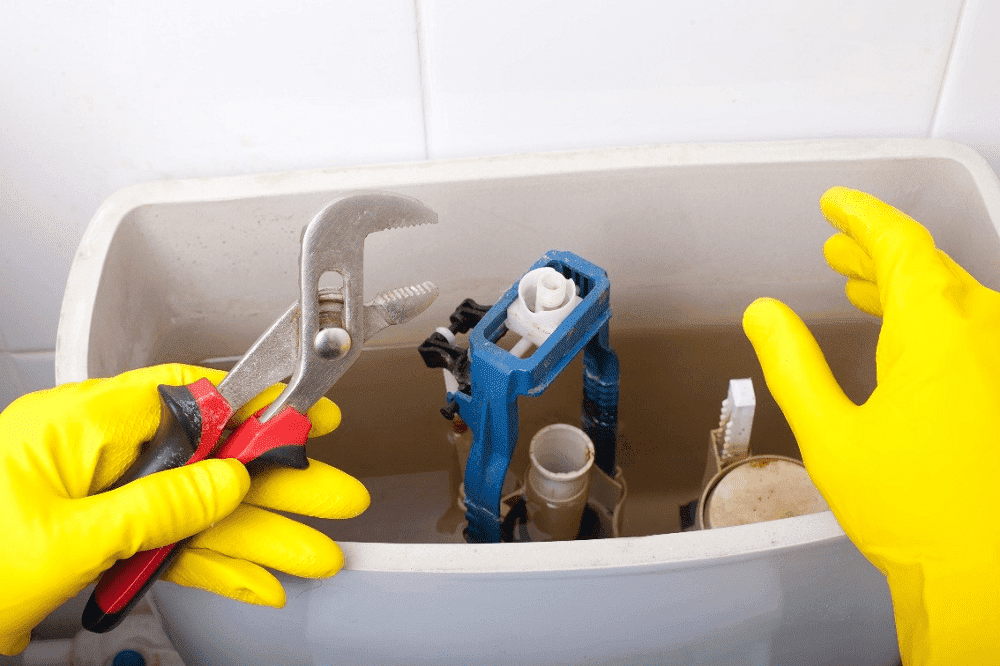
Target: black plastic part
pixel 594 421
pixel 176 439
pixel 515 523
pixel 437 352
pixel 689 514
pixel 467 315
pixel 450 410
pixel 290 455
pixel 96 620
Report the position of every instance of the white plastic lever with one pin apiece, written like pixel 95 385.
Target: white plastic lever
pixel 737 419
pixel 544 298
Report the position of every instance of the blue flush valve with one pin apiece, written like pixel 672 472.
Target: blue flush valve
pixel 490 379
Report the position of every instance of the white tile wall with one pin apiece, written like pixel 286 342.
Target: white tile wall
pixel 969 111
pixel 11 385
pixel 97 96
pixel 36 369
pixel 524 76
pixel 101 95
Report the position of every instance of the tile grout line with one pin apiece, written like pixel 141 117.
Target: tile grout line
pixel 935 116
pixel 423 78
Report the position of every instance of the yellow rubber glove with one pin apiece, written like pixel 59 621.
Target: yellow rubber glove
pixel 909 474
pixel 59 448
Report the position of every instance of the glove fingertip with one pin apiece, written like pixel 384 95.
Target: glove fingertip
pixel 356 497
pixel 794 367
pixel 320 490
pixel 758 318
pixel 265 398
pixel 832 204
pixel 325 559
pixel 333 561
pixel 834 245
pixel 325 417
pixel 11 645
pixel 865 296
pixel 844 255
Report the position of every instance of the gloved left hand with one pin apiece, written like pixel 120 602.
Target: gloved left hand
pixel 60 448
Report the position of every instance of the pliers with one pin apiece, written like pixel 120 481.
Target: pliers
pixel 315 341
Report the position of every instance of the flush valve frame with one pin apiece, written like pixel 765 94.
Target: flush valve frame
pixel 488 401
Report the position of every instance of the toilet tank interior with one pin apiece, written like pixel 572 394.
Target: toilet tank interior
pixel 195 274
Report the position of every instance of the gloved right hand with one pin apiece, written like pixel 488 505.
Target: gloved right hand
pixel 910 474
pixel 60 448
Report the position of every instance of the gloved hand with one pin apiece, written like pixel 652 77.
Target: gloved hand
pixel 909 474
pixel 59 448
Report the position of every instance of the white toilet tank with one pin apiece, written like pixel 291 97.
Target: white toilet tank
pixel 195 270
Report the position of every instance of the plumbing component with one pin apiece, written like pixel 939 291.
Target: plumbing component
pixel 461 438
pixel 758 489
pixel 558 482
pixel 544 298
pixel 316 340
pixel 601 516
pixel 741 488
pixel 440 351
pixel 736 420
pixel 487 400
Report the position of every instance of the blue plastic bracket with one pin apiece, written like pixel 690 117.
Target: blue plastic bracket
pixel 498 378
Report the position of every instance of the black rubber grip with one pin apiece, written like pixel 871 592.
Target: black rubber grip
pixel 175 440
pixel 292 455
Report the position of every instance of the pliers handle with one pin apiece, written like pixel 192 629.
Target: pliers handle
pixel 191 425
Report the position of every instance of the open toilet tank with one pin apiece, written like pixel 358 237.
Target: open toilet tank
pixel 195 270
